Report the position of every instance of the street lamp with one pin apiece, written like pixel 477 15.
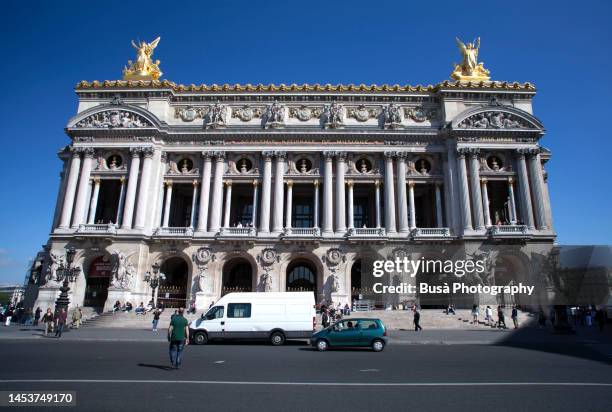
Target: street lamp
pixel 68 274
pixel 154 280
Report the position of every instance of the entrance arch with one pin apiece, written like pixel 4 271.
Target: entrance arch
pixel 98 279
pixel 237 276
pixel 356 284
pixel 301 276
pixel 173 290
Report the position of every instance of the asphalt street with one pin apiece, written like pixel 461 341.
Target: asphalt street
pixel 255 376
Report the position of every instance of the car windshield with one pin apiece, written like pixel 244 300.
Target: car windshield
pixel 215 312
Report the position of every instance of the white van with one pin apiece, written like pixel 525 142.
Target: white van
pixel 276 316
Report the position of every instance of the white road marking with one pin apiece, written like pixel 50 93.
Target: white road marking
pixel 415 384
pixel 369 370
pixel 220 361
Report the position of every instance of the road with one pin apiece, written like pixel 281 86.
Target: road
pixel 254 376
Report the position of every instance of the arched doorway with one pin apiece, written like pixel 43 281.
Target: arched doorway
pixel 237 276
pixel 98 280
pixel 301 277
pixel 356 284
pixel 173 290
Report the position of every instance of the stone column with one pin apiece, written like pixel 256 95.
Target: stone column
pixel 316 204
pixel 119 214
pixel 71 185
pixel 328 220
pixel 167 203
pixel 377 203
pixel 402 204
pixel 266 192
pixel 217 197
pixel 205 193
pixel 466 214
pixel 511 201
pixel 228 203
pixel 130 197
pixel 351 217
pixel 255 201
pixel 81 200
pixel 389 194
pixel 289 203
pixel 194 202
pixel 439 221
pixel 143 190
pixel 279 196
pixel 412 206
pixel 340 193
pixel 526 208
pixel 485 202
pixel 475 184
pixel 537 180
pixel 93 204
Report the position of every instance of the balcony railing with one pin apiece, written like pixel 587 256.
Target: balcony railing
pixel 174 231
pixel 508 230
pixel 429 232
pixel 302 232
pixel 367 232
pixel 238 231
pixel 98 228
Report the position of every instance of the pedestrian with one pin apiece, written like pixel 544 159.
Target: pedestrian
pixel 48 321
pixel 488 315
pixel 77 315
pixel 28 318
pixel 541 319
pixel 173 315
pixel 178 336
pixel 600 317
pixel 347 309
pixel 475 314
pixel 8 315
pixel 416 320
pixel 514 316
pixel 156 314
pixel 37 315
pixel 500 317
pixel 589 317
pixel 325 318
pixel 61 319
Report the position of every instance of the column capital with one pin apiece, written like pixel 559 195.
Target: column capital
pixel 255 182
pixel 86 151
pixel 163 157
pixel 390 154
pixel 316 183
pixel 350 183
pixel 219 155
pixel 96 180
pixel 462 152
pixel 522 152
pixel 484 180
pixel 194 182
pixel 122 179
pixel 289 183
pixel 328 155
pixel 534 151
pixel 267 155
pixel 280 155
pixel 474 152
pixel 208 154
pixel 168 182
pixel 228 183
pixel 148 151
pixel 411 183
pixel 438 183
pixel 510 180
pixel 340 156
pixel 377 183
pixel 135 151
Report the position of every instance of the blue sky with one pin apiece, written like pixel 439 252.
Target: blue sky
pixel 47 47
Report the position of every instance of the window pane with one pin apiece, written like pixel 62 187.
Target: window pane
pixel 239 310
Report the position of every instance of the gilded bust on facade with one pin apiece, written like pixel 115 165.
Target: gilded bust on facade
pixel 143 68
pixel 469 69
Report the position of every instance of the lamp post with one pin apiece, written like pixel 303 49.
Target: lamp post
pixel 154 280
pixel 68 274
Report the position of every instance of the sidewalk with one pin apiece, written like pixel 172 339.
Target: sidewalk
pixel 521 336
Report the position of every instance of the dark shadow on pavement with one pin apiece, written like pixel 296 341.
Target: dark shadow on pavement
pixel 162 367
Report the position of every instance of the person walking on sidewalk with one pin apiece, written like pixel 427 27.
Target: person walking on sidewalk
pixel 500 317
pixel 8 315
pixel 475 313
pixel 488 315
pixel 178 336
pixel 416 320
pixel 156 314
pixel 37 316
pixel 48 321
pixel 76 318
pixel 514 316
pixel 62 317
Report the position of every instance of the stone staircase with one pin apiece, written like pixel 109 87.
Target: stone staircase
pixel 131 321
pixel 393 319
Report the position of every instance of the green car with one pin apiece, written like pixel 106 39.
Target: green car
pixel 352 333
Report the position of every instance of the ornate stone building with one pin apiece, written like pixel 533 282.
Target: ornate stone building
pixel 274 188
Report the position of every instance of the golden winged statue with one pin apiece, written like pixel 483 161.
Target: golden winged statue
pixel 143 68
pixel 469 69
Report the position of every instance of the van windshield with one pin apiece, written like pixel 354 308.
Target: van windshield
pixel 215 312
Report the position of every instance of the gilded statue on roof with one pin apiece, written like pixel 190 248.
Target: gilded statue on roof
pixel 470 68
pixel 143 68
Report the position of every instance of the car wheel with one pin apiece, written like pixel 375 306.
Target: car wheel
pixel 322 345
pixel 200 338
pixel 378 345
pixel 277 338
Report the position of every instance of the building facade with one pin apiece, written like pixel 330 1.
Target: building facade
pixel 278 188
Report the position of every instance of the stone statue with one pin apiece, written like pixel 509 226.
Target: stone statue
pixel 143 68
pixel 392 115
pixel 469 69
pixel 216 116
pixel 122 271
pixel 334 114
pixel 266 282
pixel 276 114
pixel 55 261
pixel 335 283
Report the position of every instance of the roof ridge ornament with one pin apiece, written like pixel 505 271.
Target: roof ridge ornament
pixel 469 69
pixel 143 68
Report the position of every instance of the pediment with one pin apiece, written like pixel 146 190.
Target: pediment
pixel 112 116
pixel 496 117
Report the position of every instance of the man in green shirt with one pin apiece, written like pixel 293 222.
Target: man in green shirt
pixel 178 336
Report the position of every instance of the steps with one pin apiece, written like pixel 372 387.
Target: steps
pixel 131 320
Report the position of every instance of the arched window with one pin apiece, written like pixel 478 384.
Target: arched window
pixel 237 277
pixel 301 276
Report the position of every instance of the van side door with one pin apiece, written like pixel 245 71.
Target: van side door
pixel 214 322
pixel 239 323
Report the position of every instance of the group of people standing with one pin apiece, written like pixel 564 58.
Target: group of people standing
pixel 331 313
